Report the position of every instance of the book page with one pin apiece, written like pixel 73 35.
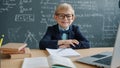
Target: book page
pixel 68 52
pixel 55 60
pixel 36 62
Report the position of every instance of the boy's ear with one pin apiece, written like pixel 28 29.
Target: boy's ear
pixel 74 17
pixel 55 17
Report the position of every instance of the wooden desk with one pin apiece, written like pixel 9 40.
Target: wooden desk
pixel 17 63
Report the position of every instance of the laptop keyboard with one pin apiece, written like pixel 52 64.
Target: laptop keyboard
pixel 106 61
pixel 98 56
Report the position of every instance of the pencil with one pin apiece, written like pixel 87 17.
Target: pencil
pixel 1 40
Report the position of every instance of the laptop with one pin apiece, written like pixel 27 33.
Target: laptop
pixel 105 59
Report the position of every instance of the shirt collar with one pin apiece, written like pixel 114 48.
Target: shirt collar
pixel 60 28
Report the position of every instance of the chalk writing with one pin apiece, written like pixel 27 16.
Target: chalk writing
pixel 6 5
pixel 24 17
pixel 30 38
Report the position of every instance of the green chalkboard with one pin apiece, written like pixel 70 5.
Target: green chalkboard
pixel 27 20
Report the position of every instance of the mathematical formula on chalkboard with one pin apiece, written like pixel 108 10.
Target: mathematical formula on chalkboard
pixel 27 20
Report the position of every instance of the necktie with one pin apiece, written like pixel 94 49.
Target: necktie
pixel 64 34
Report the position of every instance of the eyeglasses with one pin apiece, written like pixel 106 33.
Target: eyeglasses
pixel 62 16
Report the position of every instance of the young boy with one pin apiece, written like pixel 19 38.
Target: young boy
pixel 64 34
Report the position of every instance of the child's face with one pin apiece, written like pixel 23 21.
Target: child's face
pixel 64 18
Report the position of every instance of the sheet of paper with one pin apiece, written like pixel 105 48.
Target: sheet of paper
pixel 37 62
pixel 68 52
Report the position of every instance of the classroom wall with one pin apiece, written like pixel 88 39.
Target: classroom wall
pixel 27 20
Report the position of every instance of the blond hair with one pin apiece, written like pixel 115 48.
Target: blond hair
pixel 65 6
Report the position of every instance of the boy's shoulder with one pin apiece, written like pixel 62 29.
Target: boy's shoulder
pixel 53 26
pixel 73 26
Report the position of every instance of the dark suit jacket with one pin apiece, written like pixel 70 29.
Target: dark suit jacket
pixel 53 34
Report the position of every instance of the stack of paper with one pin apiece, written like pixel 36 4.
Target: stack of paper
pixel 68 52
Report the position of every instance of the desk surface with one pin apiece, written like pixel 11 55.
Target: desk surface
pixel 17 63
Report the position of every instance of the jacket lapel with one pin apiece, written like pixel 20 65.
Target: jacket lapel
pixel 71 33
pixel 58 34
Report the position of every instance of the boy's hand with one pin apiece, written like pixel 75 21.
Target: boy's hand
pixel 68 42
pixel 64 46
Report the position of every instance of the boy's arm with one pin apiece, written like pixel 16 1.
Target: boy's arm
pixel 83 42
pixel 47 42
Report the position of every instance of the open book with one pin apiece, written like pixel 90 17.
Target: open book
pixel 66 52
pixel 51 61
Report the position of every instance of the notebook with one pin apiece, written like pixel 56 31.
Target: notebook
pixel 105 59
pixel 65 52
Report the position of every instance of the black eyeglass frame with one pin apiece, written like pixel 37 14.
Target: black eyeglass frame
pixel 62 16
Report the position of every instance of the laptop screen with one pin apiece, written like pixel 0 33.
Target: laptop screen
pixel 116 53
